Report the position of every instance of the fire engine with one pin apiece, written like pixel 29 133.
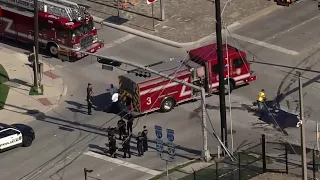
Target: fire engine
pixel 152 93
pixel 65 28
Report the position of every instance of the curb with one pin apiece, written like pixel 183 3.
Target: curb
pixel 63 93
pixel 210 37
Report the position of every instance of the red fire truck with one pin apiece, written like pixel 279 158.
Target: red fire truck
pixel 65 28
pixel 155 92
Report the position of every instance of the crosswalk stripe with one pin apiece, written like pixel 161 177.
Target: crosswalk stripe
pixel 123 163
pixel 118 41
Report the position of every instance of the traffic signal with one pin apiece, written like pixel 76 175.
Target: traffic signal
pixel 284 2
pixel 109 62
pixel 141 73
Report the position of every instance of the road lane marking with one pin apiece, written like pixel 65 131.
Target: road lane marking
pixel 118 41
pixel 123 163
pixel 292 28
pixel 266 45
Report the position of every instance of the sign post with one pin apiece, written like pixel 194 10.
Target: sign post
pixel 171 148
pixel 151 2
pixel 159 141
pixel 152 16
pixel 170 143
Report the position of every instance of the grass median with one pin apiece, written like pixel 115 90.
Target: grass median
pixel 4 89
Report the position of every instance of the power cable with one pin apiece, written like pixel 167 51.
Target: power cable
pixel 266 107
pixel 184 61
pixel 163 87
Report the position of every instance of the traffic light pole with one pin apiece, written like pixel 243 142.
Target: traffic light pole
pixel 205 152
pixel 36 49
pixel 223 115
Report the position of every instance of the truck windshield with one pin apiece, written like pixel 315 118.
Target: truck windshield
pixel 83 29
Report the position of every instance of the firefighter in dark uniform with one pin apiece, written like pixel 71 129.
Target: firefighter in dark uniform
pixel 112 146
pixel 145 138
pixel 139 139
pixel 89 91
pixel 89 101
pixel 130 123
pixel 121 128
pixel 126 145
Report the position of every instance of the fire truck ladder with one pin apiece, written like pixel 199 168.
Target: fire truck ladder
pixel 62 8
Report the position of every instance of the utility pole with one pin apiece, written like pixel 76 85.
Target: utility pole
pixel 302 133
pixel 205 152
pixel 36 44
pixel 223 115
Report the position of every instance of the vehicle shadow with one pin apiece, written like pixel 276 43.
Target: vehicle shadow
pixel 101 102
pixel 273 115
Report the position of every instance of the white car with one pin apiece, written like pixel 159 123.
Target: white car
pixel 15 135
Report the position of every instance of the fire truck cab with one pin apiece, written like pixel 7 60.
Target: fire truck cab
pixel 65 28
pixel 151 93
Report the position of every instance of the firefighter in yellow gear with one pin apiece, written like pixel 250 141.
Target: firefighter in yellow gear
pixel 261 99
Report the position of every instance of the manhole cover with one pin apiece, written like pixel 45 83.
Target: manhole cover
pixel 33 111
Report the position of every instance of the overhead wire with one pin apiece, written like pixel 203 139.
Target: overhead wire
pixel 163 88
pixel 266 107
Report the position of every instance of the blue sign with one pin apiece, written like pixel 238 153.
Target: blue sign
pixel 172 151
pixel 159 147
pixel 170 135
pixel 158 131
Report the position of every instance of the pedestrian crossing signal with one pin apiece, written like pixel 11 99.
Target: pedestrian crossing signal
pixel 284 2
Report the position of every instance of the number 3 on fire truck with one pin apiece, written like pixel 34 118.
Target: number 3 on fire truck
pixel 149 100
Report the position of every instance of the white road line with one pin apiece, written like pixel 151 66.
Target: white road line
pixel 294 27
pixel 264 44
pixel 123 163
pixel 118 41
pixel 59 66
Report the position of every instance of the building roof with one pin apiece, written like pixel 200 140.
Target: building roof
pixel 168 68
pixel 209 53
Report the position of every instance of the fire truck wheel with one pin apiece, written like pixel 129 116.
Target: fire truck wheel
pixel 167 105
pixel 52 49
pixel 228 88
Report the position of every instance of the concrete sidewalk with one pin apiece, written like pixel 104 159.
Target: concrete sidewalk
pixel 20 107
pixel 187 23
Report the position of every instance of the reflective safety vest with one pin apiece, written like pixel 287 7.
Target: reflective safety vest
pixel 261 97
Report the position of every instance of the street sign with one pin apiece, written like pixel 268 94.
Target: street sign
pixel 171 145
pixel 158 131
pixel 159 141
pixel 170 135
pixel 150 1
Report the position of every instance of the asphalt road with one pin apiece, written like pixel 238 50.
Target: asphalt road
pixel 65 135
pixel 290 29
